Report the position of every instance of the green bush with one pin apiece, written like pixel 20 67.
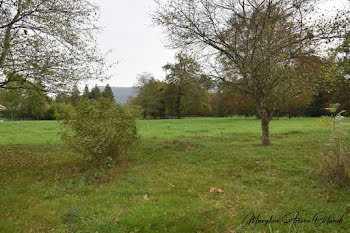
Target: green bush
pixel 101 130
pixel 62 111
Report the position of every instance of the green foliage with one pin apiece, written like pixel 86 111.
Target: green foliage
pixel 62 110
pixel 101 130
pixel 12 100
pixel 150 96
pixel 108 93
pixel 25 103
pixel 86 92
pixel 49 43
pixel 75 95
pixel 184 92
pixel 95 93
pixel 187 87
pixel 344 50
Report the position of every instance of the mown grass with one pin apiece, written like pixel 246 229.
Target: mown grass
pixel 29 132
pixel 164 185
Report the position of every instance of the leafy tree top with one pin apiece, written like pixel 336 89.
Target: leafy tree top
pixel 51 42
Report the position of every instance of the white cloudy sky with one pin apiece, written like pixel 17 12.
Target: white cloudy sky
pixel 136 44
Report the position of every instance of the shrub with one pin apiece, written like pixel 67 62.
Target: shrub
pixel 335 161
pixel 101 130
pixel 62 111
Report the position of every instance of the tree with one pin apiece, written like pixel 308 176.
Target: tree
pixel 75 95
pixel 225 105
pixel 214 102
pixel 22 103
pixel 297 106
pixel 343 51
pixel 295 100
pixel 191 86
pixel 48 43
pixel 35 105
pixel 108 93
pixel 86 92
pixel 341 94
pixel 150 96
pixel 12 99
pixel 170 99
pixel 245 106
pixel 95 93
pixel 231 101
pixel 255 43
pixel 62 98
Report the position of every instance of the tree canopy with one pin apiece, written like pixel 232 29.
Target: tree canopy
pixel 150 96
pixel 50 42
pixel 108 93
pixel 187 85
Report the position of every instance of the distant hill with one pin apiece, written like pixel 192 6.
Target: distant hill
pixel 122 94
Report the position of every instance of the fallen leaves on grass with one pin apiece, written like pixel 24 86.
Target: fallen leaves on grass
pixel 116 221
pixel 234 207
pixel 216 190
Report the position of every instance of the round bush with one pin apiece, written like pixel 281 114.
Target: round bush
pixel 101 130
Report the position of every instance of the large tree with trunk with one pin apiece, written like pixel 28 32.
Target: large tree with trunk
pixel 48 42
pixel 150 96
pixel 255 43
pixel 186 80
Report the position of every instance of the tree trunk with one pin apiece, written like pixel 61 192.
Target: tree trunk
pixel 265 121
pixel 178 103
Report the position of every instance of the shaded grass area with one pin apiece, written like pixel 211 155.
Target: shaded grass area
pixel 165 184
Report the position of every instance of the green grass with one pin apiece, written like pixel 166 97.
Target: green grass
pixel 29 132
pixel 44 188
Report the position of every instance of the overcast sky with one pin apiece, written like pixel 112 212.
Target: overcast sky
pixel 136 44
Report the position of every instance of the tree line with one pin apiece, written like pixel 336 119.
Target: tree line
pixel 35 104
pixel 187 91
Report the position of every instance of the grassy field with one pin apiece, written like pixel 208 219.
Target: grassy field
pixel 190 175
